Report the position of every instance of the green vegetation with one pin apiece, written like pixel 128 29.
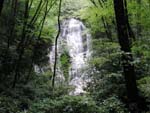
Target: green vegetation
pixel 27 32
pixel 65 64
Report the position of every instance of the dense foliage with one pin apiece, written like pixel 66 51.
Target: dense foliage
pixel 27 31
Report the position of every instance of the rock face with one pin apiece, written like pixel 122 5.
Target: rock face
pixel 76 41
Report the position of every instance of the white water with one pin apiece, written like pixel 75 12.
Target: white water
pixel 77 41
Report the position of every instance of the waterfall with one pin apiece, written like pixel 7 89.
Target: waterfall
pixel 75 38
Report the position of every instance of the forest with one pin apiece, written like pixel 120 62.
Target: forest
pixel 74 56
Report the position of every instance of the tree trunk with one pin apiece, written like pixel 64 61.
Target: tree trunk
pixel 12 26
pixel 130 31
pixel 56 40
pixel 1 6
pixel 139 27
pixel 128 67
pixel 104 21
pixel 107 29
pixel 136 103
pixel 21 45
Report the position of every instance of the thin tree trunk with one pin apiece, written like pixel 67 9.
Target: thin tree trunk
pixel 107 30
pixel 9 37
pixel 1 6
pixel 56 40
pixel 12 27
pixel 139 27
pixel 130 31
pixel 30 5
pixel 93 2
pixel 36 12
pixel 21 44
pixel 39 36
pixel 104 21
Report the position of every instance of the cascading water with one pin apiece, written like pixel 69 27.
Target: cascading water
pixel 77 41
